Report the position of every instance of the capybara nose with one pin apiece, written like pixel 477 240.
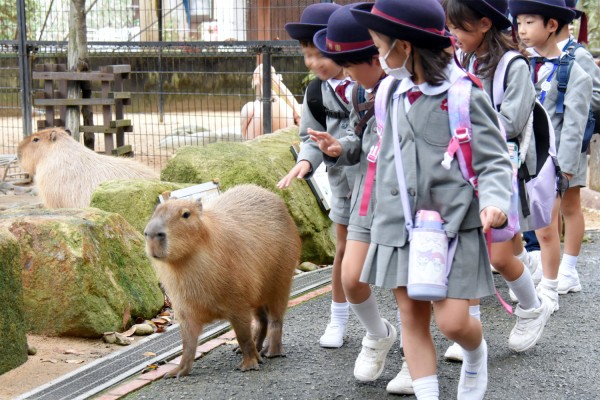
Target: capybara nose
pixel 154 230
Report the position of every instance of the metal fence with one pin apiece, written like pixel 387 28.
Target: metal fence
pixel 189 83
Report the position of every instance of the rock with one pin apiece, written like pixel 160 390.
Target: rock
pixel 262 161
pixel 116 338
pixel 143 329
pixel 133 199
pixel 32 351
pixel 307 266
pixel 82 270
pixel 13 342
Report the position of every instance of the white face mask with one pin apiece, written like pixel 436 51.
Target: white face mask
pixel 398 73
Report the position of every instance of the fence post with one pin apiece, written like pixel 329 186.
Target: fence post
pixel 266 90
pixel 24 72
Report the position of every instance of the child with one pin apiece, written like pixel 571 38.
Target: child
pixel 480 30
pixel 568 278
pixel 336 91
pixel 410 37
pixel 349 44
pixel 539 23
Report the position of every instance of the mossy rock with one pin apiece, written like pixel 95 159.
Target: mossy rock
pixel 84 271
pixel 262 161
pixel 13 342
pixel 133 199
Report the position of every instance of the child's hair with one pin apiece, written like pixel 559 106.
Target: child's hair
pixel 306 43
pixel 356 61
pixel 561 23
pixel 498 42
pixel 433 61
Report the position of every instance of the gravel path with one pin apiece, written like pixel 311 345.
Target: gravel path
pixel 563 365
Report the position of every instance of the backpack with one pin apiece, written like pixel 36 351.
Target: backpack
pixel 314 99
pixel 562 75
pixel 538 181
pixel 459 99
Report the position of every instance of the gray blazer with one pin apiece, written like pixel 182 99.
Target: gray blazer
pixel 568 127
pixel 424 134
pixel 341 179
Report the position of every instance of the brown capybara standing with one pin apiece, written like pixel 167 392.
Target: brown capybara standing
pixel 66 173
pixel 233 259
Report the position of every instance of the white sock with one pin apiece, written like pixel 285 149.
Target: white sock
pixel 568 263
pixel 427 388
pixel 474 311
pixel 473 358
pixel 399 323
pixel 524 289
pixel 550 284
pixel 368 315
pixel 340 312
pixel 525 258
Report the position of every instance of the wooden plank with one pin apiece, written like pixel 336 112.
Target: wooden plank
pixel 119 95
pixel 74 102
pixel 120 123
pixel 123 150
pixel 74 76
pixel 120 68
pixel 97 129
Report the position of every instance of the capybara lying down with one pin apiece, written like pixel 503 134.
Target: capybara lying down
pixel 66 173
pixel 232 259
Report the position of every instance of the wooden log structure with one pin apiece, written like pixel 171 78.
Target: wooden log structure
pixel 52 96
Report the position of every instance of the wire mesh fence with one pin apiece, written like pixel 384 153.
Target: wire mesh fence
pixel 196 68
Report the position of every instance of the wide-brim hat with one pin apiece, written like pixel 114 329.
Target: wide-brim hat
pixel 421 22
pixel 556 9
pixel 313 19
pixel 572 4
pixel 495 10
pixel 345 39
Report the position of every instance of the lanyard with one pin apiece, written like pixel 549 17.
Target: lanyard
pixel 546 84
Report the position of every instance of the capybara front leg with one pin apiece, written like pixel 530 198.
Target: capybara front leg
pixel 243 331
pixel 260 331
pixel 189 336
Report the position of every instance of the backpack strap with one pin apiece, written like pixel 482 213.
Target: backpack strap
pixel 314 100
pixel 386 86
pixel 365 109
pixel 500 76
pixel 562 75
pixel 459 101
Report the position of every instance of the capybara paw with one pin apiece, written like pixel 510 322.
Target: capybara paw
pixel 272 354
pixel 249 366
pixel 178 372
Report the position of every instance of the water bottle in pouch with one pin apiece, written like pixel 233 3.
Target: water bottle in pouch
pixel 427 264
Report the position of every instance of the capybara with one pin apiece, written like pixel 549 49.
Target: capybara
pixel 232 258
pixel 66 173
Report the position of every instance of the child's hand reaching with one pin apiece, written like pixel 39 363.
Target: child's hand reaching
pixel 299 171
pixel 492 217
pixel 327 143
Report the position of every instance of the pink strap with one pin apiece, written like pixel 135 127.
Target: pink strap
pixel 366 197
pixel 488 240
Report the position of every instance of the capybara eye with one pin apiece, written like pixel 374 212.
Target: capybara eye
pixel 186 214
pixel 35 140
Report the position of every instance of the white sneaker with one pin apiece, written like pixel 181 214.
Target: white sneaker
pixel 513 296
pixel 333 336
pixel 568 282
pixel 371 359
pixel 535 266
pixel 402 383
pixel 473 384
pixel 529 327
pixel 551 296
pixel 454 353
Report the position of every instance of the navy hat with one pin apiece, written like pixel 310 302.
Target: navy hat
pixel 345 39
pixel 572 4
pixel 421 22
pixel 556 9
pixel 493 9
pixel 313 19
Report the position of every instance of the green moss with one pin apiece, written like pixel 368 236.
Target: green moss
pixel 262 161
pixel 13 342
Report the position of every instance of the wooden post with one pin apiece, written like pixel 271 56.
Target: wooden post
pixel 594 164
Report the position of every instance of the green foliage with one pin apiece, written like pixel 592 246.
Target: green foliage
pixel 592 10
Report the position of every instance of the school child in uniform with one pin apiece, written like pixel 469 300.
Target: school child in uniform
pixel 539 22
pixel 480 28
pixel 349 44
pixel 568 278
pixel 410 37
pixel 336 91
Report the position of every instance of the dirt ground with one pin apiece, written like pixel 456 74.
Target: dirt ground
pixel 57 356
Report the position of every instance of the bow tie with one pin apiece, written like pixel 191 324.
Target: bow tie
pixel 542 60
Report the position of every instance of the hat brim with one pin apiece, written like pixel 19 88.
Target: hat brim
pixel 301 31
pixel 418 37
pixel 498 19
pixel 578 13
pixel 519 7
pixel 320 41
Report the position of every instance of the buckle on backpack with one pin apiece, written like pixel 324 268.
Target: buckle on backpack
pixel 463 135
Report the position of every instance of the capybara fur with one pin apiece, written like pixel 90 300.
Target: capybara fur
pixel 66 173
pixel 230 259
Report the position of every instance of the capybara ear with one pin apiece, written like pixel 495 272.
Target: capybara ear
pixel 199 203
pixel 53 136
pixel 68 131
pixel 166 195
